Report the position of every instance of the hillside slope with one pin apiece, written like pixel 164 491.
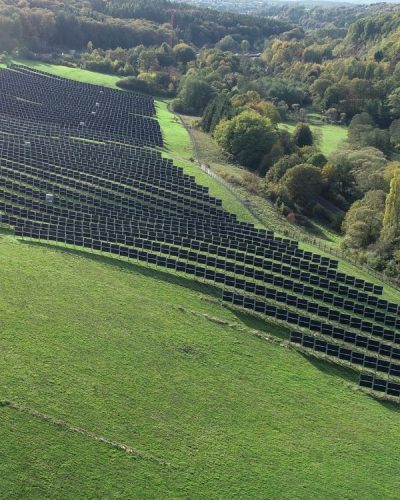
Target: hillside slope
pixel 214 411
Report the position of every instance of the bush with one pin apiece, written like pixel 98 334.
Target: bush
pixel 317 159
pixel 251 182
pixel 154 83
pixel 302 135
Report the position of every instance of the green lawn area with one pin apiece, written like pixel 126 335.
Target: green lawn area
pixel 81 75
pixel 329 137
pixel 216 412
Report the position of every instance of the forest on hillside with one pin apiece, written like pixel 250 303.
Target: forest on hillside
pixel 255 83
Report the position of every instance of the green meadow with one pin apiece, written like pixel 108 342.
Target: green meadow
pixel 329 137
pixel 152 362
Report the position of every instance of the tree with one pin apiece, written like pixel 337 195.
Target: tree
pixel 318 160
pixel 332 115
pixel 8 34
pixel 194 96
pixel 148 60
pixel 279 168
pixel 368 135
pixel 361 119
pixel 394 131
pixel 320 85
pixel 245 46
pixel 394 102
pixel 248 137
pixel 302 184
pixel 220 108
pixel 391 169
pixel 302 135
pixel 184 53
pixel 358 171
pixel 252 100
pixel 391 219
pixel 227 44
pixel 362 224
pixel 313 54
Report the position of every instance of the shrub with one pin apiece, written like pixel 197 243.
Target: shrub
pixel 302 135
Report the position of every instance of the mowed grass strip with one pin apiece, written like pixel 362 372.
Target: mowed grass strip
pixel 105 345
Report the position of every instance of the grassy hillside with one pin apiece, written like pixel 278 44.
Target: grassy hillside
pixel 126 353
pixel 81 75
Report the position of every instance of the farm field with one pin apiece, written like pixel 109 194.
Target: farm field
pixel 215 412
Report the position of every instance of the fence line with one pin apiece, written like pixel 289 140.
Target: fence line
pixel 291 233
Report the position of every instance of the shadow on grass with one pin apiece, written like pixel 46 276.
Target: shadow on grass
pixel 132 267
pixel 388 405
pixel 329 367
pixel 263 325
pixel 6 231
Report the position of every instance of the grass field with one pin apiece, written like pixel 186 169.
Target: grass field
pixel 213 412
pixel 329 137
pixel 81 75
pixel 123 381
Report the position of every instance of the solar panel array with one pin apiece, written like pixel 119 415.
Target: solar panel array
pixel 79 165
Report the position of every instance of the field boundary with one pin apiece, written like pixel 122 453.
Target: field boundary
pixel 83 432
